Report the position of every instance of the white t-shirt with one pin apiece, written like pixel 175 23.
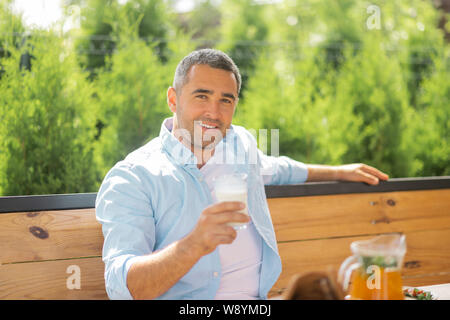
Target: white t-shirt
pixel 240 260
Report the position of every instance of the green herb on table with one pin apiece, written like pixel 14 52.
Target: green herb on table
pixel 417 294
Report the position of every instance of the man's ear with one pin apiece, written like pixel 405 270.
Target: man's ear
pixel 172 99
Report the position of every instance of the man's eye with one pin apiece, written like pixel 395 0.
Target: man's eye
pixel 201 96
pixel 226 101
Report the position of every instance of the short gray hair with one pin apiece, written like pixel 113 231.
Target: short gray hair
pixel 211 57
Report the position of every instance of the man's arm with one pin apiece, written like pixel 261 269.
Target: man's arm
pixel 152 275
pixel 133 268
pixel 284 170
pixel 357 172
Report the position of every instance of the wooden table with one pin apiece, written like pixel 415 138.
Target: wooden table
pixel 442 291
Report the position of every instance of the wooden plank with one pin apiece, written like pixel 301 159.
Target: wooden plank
pixel 48 280
pixel 75 233
pixel 49 235
pixel 427 260
pixel 426 279
pixel 313 233
pixel 319 217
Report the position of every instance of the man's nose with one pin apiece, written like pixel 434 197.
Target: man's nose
pixel 213 110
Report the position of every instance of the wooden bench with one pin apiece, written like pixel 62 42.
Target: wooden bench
pixel 48 241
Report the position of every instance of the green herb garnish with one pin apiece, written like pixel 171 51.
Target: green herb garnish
pixel 418 294
pixel 382 262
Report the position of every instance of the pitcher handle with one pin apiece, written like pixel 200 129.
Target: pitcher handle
pixel 345 271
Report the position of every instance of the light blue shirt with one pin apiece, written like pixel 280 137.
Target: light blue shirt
pixel 155 196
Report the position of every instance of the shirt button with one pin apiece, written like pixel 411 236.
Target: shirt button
pixel 200 179
pixel 215 274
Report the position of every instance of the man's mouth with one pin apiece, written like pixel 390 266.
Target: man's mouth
pixel 208 126
pixel 210 133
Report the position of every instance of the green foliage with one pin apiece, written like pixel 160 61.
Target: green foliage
pixel 341 92
pixel 297 98
pixel 132 98
pixel 430 124
pixel 243 33
pixel 372 84
pixel 11 28
pixel 338 90
pixel 203 23
pixel 100 27
pixel 411 28
pixel 46 132
pixel 131 91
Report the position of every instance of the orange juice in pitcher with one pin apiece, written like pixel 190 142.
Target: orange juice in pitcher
pixel 366 286
pixel 374 270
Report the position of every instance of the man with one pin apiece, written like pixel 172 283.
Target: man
pixel 165 236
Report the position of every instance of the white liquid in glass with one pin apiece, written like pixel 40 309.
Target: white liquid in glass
pixel 232 188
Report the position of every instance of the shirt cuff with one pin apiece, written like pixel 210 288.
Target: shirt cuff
pixel 116 277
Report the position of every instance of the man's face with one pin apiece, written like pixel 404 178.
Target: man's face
pixel 205 105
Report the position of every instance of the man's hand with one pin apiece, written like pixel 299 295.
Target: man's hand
pixel 360 172
pixel 155 273
pixel 212 228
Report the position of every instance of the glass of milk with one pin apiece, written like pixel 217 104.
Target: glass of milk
pixel 232 187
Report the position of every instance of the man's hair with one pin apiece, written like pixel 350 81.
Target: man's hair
pixel 211 57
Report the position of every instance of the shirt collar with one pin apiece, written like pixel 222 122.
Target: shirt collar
pixel 178 151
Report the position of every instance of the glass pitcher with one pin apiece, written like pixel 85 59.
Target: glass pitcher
pixel 374 269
